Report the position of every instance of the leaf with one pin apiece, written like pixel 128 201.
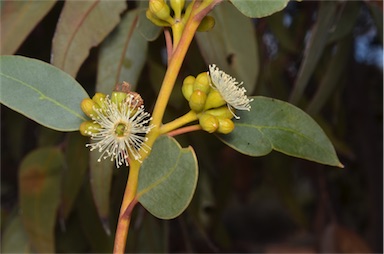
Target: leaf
pixel 331 78
pixel 156 71
pixel 81 26
pixel 167 178
pixel 41 92
pixel 73 177
pixel 15 127
pixel 287 37
pixel 314 48
pixel 259 8
pixel 231 45
pixel 71 238
pixel 150 237
pixel 48 137
pixel 14 238
pixel 100 241
pixel 39 194
pixel 146 28
pixel 290 190
pixel 346 21
pixel 122 55
pixel 277 125
pixel 101 178
pixel 18 19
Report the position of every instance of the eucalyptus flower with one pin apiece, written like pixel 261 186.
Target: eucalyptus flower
pixel 231 90
pixel 119 129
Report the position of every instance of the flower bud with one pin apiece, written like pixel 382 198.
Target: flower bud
pixel 88 106
pixel 87 128
pixel 206 24
pixel 187 88
pixel 155 20
pixel 225 125
pixel 222 112
pixel 124 87
pixel 177 6
pixel 118 97
pixel 214 100
pixel 99 98
pixel 161 10
pixel 202 83
pixel 137 101
pixel 187 12
pixel 209 123
pixel 197 100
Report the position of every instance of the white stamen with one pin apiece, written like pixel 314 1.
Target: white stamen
pixel 128 139
pixel 231 90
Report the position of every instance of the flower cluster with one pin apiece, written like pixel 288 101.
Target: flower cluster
pixel 214 96
pixel 118 127
pixel 159 13
pixel 230 89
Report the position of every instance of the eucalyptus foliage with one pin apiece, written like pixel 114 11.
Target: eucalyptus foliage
pixel 55 178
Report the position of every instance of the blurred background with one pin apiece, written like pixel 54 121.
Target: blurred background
pixel 267 204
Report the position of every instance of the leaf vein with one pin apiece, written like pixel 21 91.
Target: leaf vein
pixel 161 179
pixel 261 127
pixel 42 96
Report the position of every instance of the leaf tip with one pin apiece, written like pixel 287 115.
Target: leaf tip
pixel 106 226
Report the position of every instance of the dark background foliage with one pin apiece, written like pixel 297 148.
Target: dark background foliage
pixel 242 204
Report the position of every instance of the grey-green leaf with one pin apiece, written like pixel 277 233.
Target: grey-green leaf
pixel 231 45
pixel 18 19
pixel 81 26
pixel 122 55
pixel 14 238
pixel 346 20
pixel 332 78
pixel 101 179
pixel 76 156
pixel 39 195
pixel 259 8
pixel 315 48
pixel 168 178
pixel 277 125
pixel 146 28
pixel 41 92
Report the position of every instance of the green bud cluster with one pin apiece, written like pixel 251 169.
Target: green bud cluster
pixel 161 15
pixel 97 105
pixel 177 6
pixel 212 111
pixel 217 120
pixel 91 107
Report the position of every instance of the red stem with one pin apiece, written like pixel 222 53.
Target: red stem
pixel 183 130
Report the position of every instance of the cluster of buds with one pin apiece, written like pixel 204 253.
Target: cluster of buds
pixel 211 108
pixel 91 107
pixel 118 126
pixel 98 106
pixel 161 14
